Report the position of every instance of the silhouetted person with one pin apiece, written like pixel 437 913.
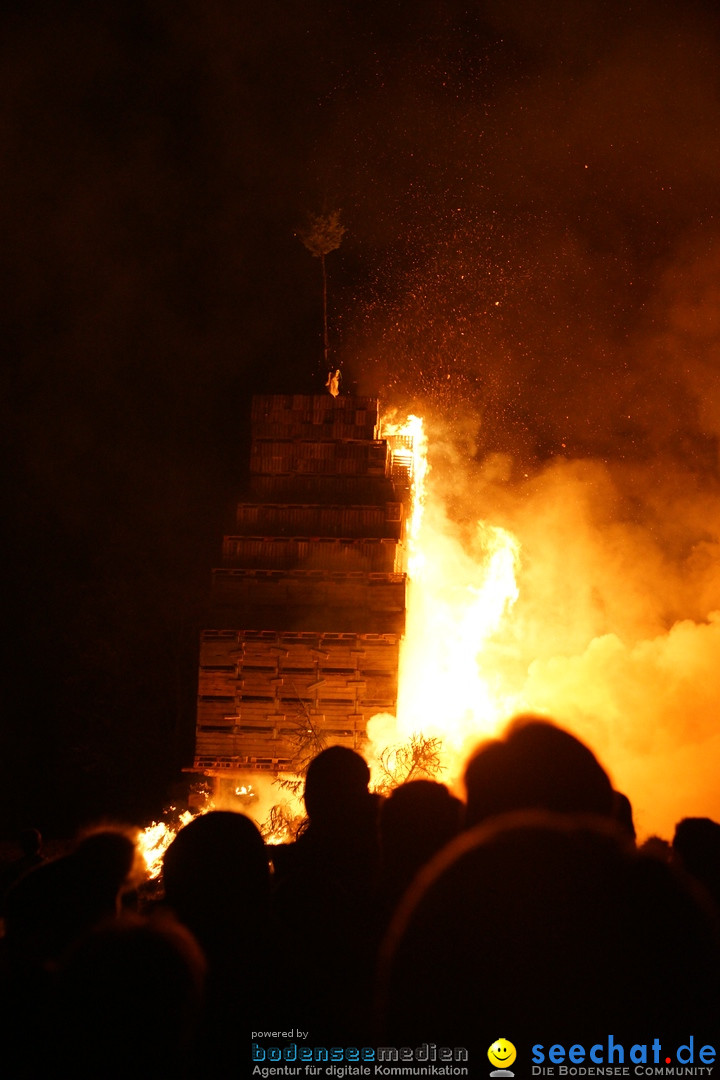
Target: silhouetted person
pixel 216 878
pixel 536 766
pixel 656 847
pixel 623 814
pixel 129 996
pixel 29 841
pixel 49 909
pixel 547 923
pixel 696 848
pixel 417 819
pixel 336 792
pixel 324 894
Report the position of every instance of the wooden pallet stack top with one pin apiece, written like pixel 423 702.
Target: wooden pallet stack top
pixel 314 416
pixel 357 457
pixel 323 504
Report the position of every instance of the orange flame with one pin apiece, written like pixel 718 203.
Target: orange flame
pixel 412 432
pixel 609 625
pixel 156 838
pixel 579 630
pixel 276 827
pixel 457 599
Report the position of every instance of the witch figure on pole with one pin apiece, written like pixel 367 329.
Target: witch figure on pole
pixel 322 234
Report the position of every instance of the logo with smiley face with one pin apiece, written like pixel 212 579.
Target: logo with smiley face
pixel 501 1054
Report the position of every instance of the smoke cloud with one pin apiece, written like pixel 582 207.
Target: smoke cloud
pixel 616 630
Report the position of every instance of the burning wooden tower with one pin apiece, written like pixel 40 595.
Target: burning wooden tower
pixel 308 610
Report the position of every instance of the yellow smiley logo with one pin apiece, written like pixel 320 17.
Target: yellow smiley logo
pixel 502 1053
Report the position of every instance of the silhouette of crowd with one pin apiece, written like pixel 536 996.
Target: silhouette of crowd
pixel 415 918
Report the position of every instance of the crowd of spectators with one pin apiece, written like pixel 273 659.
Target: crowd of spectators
pixel 525 910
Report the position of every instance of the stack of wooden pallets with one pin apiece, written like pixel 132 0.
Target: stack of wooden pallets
pixel 308 608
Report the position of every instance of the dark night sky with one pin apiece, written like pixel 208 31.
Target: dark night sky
pixel 531 193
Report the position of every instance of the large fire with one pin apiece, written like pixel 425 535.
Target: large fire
pixel 456 602
pixel 156 838
pixel 551 611
pixel 544 593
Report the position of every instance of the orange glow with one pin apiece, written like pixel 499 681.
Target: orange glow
pixel 414 456
pixel 546 592
pixel 551 592
pixel 457 599
pixel 455 606
pixel 154 841
pixel 277 816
